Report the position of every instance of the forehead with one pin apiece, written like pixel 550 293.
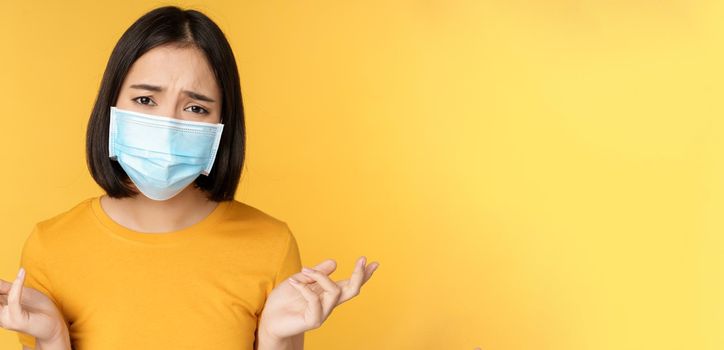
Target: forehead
pixel 175 68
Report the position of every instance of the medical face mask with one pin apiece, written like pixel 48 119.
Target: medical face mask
pixel 162 155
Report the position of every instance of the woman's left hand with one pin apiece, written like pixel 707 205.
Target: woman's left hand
pixel 293 308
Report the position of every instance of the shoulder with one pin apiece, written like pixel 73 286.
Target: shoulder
pixel 51 230
pixel 65 222
pixel 276 248
pixel 271 235
pixel 249 216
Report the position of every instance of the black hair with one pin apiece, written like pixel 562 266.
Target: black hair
pixel 161 26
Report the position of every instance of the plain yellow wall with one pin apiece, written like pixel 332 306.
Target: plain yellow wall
pixel 530 174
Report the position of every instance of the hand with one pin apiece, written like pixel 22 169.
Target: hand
pixel 27 310
pixel 293 308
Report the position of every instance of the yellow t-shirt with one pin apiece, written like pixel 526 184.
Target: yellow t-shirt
pixel 201 287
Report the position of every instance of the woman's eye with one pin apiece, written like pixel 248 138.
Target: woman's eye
pixel 144 100
pixel 199 110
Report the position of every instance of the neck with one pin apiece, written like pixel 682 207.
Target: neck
pixel 143 214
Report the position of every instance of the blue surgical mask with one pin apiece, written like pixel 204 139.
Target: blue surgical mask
pixel 162 155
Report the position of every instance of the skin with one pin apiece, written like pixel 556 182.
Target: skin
pixel 174 70
pixel 158 83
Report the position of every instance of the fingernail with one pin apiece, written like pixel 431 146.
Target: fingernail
pixel 307 270
pixel 362 261
pixel 292 280
pixel 21 273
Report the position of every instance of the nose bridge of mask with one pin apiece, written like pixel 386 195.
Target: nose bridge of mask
pixel 156 136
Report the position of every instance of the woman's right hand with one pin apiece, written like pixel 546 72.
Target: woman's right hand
pixel 27 310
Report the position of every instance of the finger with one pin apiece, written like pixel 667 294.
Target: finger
pixel 15 294
pixel 4 286
pixel 323 280
pixel 331 289
pixel 313 313
pixel 327 267
pixel 352 288
pixel 369 270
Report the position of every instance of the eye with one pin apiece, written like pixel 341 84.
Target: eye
pixel 144 100
pixel 198 109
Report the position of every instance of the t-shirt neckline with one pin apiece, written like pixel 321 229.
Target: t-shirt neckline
pixel 162 237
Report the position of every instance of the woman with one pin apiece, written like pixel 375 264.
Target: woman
pixel 167 258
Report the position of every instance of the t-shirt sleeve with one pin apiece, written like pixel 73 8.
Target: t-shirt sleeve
pixel 291 261
pixel 36 275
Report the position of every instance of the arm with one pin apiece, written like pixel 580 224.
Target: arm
pixel 39 315
pixel 291 264
pixel 36 319
pixel 298 342
pixel 59 342
pixel 267 342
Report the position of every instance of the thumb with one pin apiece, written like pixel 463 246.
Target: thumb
pixel 326 267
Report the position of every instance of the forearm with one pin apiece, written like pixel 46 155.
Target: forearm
pixel 61 341
pixel 269 342
pixel 52 345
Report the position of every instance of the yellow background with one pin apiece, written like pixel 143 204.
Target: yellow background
pixel 530 174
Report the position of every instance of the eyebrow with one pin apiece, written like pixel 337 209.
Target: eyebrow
pixel 192 94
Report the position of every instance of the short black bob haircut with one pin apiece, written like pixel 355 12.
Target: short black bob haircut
pixel 160 26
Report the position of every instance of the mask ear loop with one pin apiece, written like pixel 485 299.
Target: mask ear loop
pixel 111 134
pixel 214 149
